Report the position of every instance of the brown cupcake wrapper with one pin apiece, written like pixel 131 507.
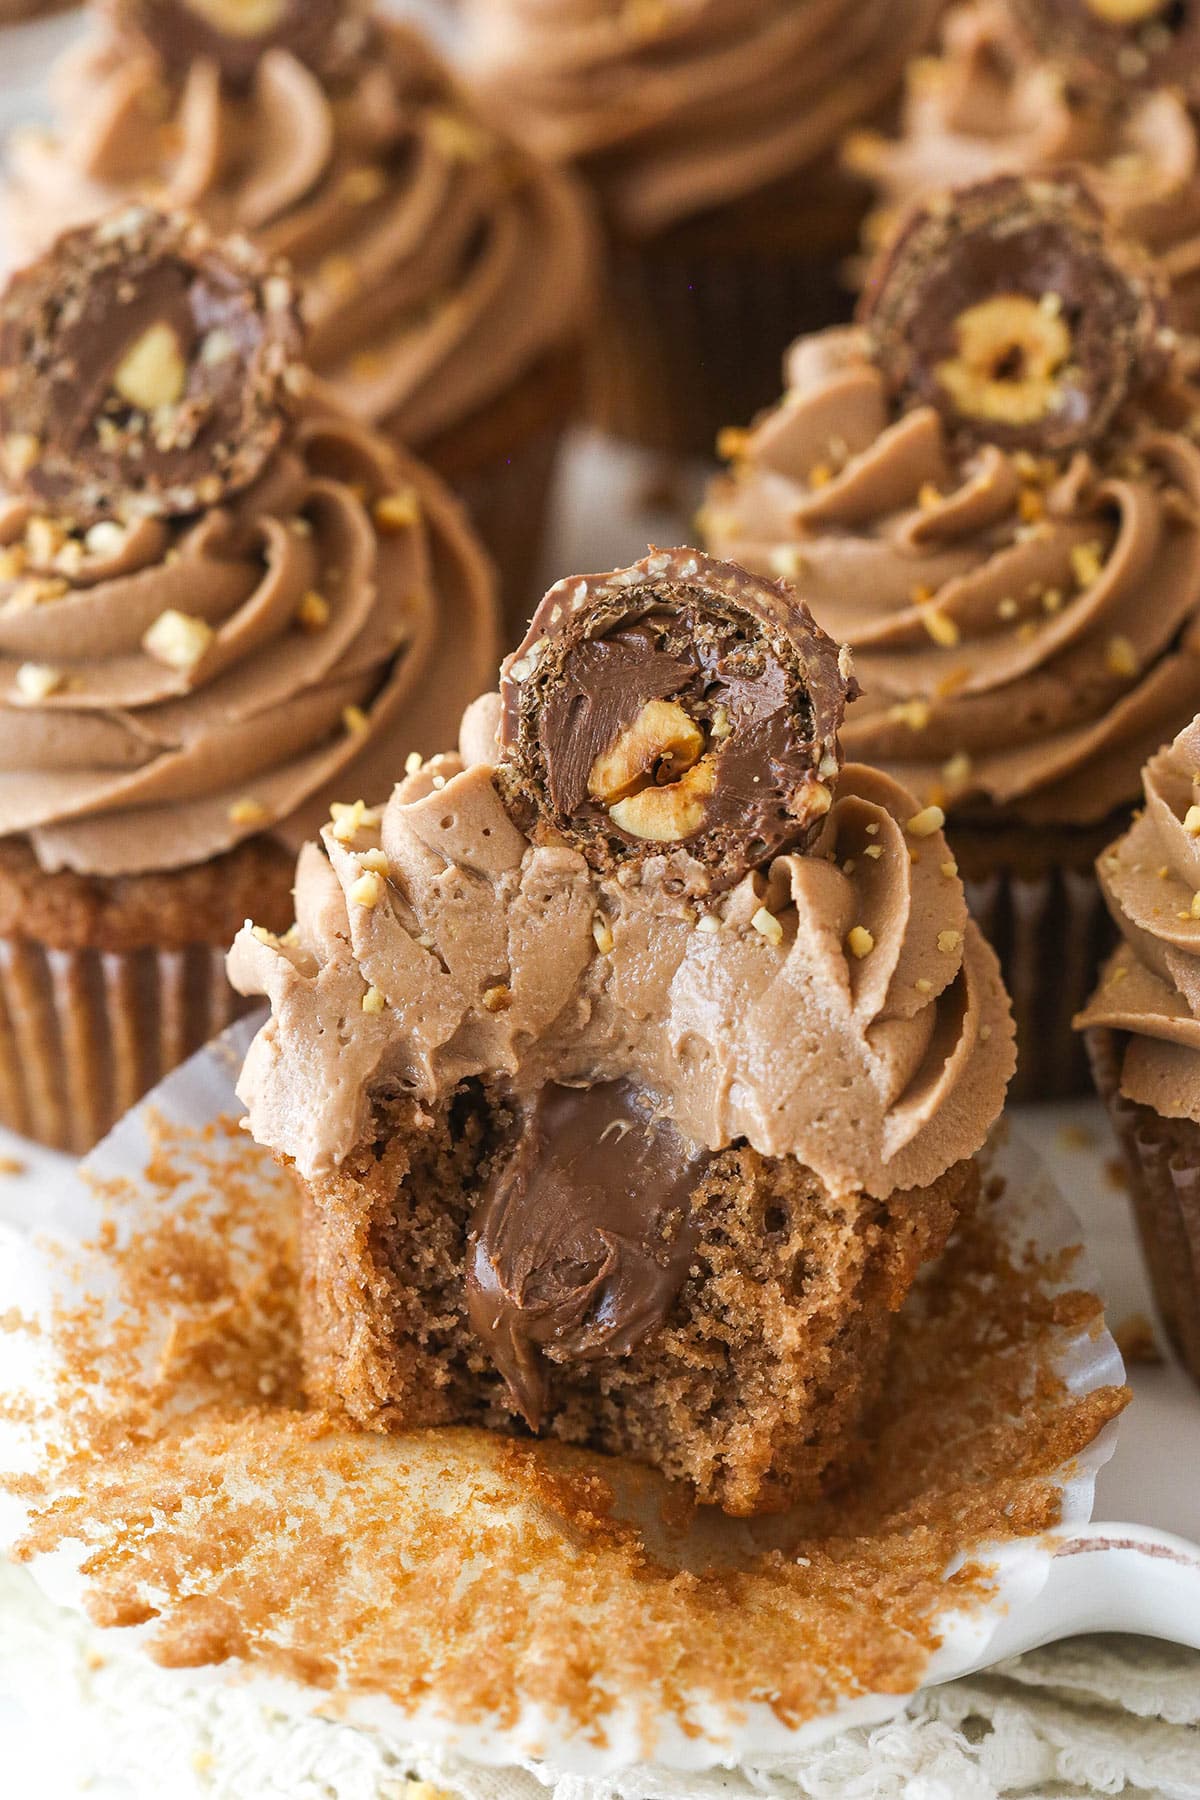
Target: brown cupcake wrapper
pixel 1163 1158
pixel 693 339
pixel 1051 930
pixel 84 1033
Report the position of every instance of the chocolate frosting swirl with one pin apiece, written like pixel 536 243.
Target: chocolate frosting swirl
pixel 437 263
pixel 992 102
pixel 837 1006
pixel 1150 987
pixel 170 688
pixel 325 35
pixel 676 106
pixel 997 603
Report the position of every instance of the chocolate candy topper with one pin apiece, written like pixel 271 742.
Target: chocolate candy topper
pixel 681 704
pixel 1118 43
pixel 143 369
pixel 326 35
pixel 1009 308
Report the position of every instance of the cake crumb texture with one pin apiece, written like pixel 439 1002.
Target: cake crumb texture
pixel 756 1389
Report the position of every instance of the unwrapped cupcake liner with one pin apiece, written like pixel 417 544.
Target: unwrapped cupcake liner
pixel 1051 931
pixel 178 1173
pixel 84 1033
pixel 693 335
pixel 1163 1156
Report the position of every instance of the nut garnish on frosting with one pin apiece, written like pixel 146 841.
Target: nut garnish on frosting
pixel 978 489
pixel 831 1002
pixel 697 707
pixel 1150 987
pixel 202 622
pixel 145 368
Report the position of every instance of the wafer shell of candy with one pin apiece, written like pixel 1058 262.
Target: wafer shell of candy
pixel 1010 308
pixel 144 369
pixel 326 35
pixel 682 704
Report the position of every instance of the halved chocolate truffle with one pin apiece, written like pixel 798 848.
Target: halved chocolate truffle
pixel 144 368
pixel 682 705
pixel 1009 307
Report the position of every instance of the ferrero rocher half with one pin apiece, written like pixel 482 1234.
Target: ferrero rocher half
pixel 1010 308
pixel 1118 43
pixel 144 368
pixel 325 35
pixel 683 704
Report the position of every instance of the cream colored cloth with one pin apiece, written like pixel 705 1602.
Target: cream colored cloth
pixel 1099 1716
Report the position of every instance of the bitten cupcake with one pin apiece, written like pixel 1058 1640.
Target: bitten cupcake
pixel 1142 1027
pixel 991 491
pixel 1027 86
pixel 220 599
pixel 634 1058
pixel 445 275
pixel 708 130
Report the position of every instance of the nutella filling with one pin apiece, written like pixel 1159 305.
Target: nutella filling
pixel 732 691
pixel 581 1239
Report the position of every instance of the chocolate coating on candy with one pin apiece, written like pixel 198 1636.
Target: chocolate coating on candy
pixel 681 704
pixel 326 35
pixel 582 1238
pixel 1118 43
pixel 143 369
pixel 1008 307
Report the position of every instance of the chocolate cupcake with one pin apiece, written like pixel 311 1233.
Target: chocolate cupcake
pixel 1142 1028
pixel 1027 86
pixel 990 489
pixel 220 600
pixel 445 275
pixel 708 130
pixel 634 1058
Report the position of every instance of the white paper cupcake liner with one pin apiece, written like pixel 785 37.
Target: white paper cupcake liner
pixel 374 1524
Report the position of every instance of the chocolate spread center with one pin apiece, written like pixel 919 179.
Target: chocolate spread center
pixel 582 1238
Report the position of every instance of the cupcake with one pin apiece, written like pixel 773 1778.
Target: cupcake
pixel 635 1057
pixel 708 130
pixel 1026 86
pixel 1142 1028
pixel 445 275
pixel 221 599
pixel 990 489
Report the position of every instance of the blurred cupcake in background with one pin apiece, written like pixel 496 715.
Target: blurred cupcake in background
pixel 222 600
pixel 1142 1027
pixel 1025 86
pixel 446 276
pixel 990 489
pixel 708 130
